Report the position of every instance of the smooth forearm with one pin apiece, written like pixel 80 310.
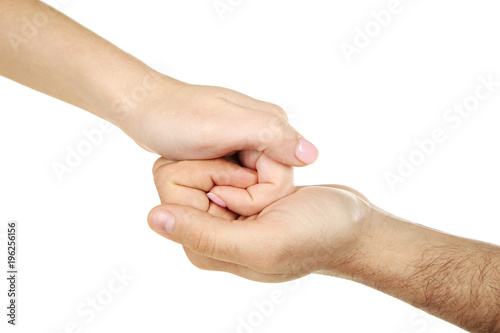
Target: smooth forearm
pixel 49 52
pixel 453 278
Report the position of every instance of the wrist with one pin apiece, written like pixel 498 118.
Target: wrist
pixel 120 90
pixel 390 253
pixel 385 246
pixel 392 245
pixel 122 96
pixel 451 277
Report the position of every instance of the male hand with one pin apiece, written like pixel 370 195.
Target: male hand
pixel 314 229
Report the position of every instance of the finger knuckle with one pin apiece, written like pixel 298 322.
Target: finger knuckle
pixel 275 130
pixel 159 162
pixel 224 171
pixel 164 173
pixel 159 175
pixel 279 126
pixel 202 241
pixel 171 172
pixel 279 111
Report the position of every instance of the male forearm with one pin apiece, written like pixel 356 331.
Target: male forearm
pixel 450 277
pixel 47 51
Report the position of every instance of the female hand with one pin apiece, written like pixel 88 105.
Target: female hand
pixel 173 119
pixel 185 122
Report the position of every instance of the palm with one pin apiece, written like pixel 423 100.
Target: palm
pixel 299 233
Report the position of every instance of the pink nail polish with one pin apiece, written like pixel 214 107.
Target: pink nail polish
pixel 163 221
pixel 306 152
pixel 216 200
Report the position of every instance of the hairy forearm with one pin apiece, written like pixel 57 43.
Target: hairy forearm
pixel 453 278
pixel 47 51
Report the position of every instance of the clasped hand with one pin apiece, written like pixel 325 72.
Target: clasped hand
pixel 251 221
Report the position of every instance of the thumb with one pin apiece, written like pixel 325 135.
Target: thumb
pixel 204 233
pixel 273 135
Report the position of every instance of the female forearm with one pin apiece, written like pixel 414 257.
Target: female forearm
pixel 453 278
pixel 45 50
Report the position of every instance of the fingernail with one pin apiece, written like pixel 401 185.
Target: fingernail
pixel 163 221
pixel 216 200
pixel 306 152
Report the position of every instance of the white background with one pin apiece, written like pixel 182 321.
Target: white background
pixel 362 115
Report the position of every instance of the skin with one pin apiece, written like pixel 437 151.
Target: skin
pixel 329 230
pixel 332 230
pixel 45 50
